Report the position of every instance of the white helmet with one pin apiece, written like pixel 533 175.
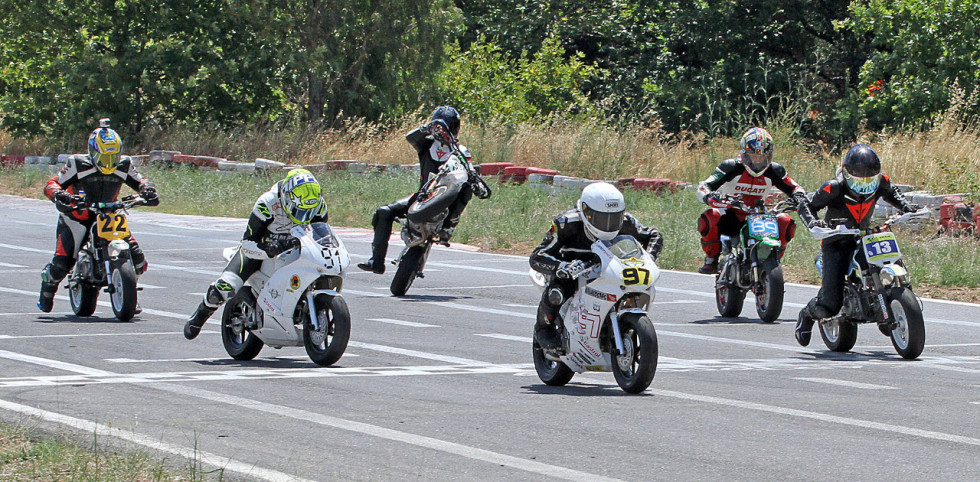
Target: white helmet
pixel 602 209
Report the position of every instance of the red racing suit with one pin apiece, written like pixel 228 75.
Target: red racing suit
pixel 731 178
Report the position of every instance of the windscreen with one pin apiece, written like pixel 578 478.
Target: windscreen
pixel 624 247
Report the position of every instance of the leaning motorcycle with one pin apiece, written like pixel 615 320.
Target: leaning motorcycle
pixel 876 290
pixel 105 260
pixel 293 300
pixel 604 326
pixel 428 211
pixel 750 262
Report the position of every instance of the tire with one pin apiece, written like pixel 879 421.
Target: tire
pixel 634 369
pixel 839 335
pixel 327 345
pixel 728 297
pixel 552 373
pixel 428 207
pixel 771 288
pixel 123 296
pixel 408 270
pixel 83 297
pixel 240 343
pixel 909 335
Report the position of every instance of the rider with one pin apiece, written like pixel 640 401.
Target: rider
pixel 600 213
pixel 293 201
pixel 850 199
pixel 751 175
pixel 97 177
pixel 430 141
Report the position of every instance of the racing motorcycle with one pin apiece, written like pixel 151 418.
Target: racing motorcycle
pixel 604 326
pixel 428 211
pixel 876 290
pixel 104 260
pixel 750 262
pixel 293 300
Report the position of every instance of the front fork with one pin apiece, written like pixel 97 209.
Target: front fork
pixel 617 334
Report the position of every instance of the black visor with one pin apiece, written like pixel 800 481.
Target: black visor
pixel 607 222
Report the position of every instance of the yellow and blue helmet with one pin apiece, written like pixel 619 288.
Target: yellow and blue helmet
pixel 300 196
pixel 756 148
pixel 105 147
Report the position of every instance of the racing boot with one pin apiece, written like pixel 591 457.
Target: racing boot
pixel 49 286
pixel 804 326
pixel 373 265
pixel 710 265
pixel 193 326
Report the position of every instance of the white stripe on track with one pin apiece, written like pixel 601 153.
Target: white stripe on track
pixel 847 383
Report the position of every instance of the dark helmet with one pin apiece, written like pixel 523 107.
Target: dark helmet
pixel 448 115
pixel 861 169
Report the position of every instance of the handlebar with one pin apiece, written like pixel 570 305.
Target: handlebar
pixel 735 202
pixel 124 203
pixel 823 233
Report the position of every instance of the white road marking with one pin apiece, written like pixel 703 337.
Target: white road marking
pixel 417 354
pixel 479 287
pixel 225 358
pixel 678 302
pixel 85 335
pixel 33 313
pixel 515 305
pixel 403 323
pixel 953 345
pixel 8 265
pixel 847 383
pixel 525 339
pixel 23 248
pixel 100 430
pixel 106 304
pixel 149 286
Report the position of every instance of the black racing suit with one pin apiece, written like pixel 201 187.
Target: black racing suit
pixel 567 241
pixel 853 211
pixel 81 176
pixel 431 155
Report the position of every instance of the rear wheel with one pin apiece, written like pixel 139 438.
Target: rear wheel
pixel 83 297
pixel 909 335
pixel 839 334
pixel 770 290
pixel 408 269
pixel 240 343
pixel 123 296
pixel 635 367
pixel 554 373
pixel 728 296
pixel 326 344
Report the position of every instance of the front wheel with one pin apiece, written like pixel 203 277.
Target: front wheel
pixel 240 343
pixel 770 290
pixel 553 373
pixel 728 296
pixel 909 335
pixel 123 295
pixel 327 343
pixel 408 269
pixel 83 297
pixel 838 334
pixel 635 367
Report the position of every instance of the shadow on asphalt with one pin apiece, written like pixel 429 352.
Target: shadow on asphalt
pixel 416 298
pixel 578 389
pixel 733 321
pixel 853 357
pixel 263 363
pixel 82 319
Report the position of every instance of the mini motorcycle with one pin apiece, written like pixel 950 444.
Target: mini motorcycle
pixel 294 299
pixel 750 262
pixel 428 211
pixel 876 290
pixel 604 326
pixel 104 260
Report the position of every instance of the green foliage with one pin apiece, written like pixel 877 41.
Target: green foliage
pixel 485 83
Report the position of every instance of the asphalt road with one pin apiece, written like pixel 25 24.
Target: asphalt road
pixel 439 385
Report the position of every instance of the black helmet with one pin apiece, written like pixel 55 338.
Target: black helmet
pixel 448 115
pixel 862 169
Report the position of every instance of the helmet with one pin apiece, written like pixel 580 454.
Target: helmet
pixel 105 147
pixel 861 169
pixel 602 209
pixel 300 195
pixel 448 115
pixel 755 147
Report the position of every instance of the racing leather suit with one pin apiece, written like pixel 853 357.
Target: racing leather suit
pixel 853 211
pixel 81 177
pixel 732 178
pixel 432 154
pixel 266 236
pixel 567 240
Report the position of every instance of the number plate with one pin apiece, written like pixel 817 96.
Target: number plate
pixel 112 226
pixel 881 248
pixel 763 227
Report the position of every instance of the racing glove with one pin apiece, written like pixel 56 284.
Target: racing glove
pixel 149 194
pixel 569 269
pixel 63 201
pixel 912 207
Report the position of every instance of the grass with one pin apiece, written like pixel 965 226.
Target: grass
pixel 516 218
pixel 26 458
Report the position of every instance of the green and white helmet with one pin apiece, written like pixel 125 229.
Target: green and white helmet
pixel 300 196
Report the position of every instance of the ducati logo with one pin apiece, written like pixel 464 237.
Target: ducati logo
pixel 294 282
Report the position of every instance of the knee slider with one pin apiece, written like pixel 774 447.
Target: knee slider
pixel 787 226
pixel 223 289
pixel 707 221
